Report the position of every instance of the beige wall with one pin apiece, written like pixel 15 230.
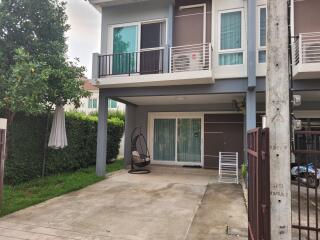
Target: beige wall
pixel 306 14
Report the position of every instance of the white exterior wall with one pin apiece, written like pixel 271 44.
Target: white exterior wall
pixel 233 71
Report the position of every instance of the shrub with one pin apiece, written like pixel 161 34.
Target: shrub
pixel 116 114
pixel 244 170
pixel 112 114
pixel 26 146
pixel 115 133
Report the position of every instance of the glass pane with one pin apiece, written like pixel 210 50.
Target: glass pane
pixel 164 140
pixel 150 35
pixel 230 30
pixel 124 47
pixel 263 30
pixel 231 58
pixel 262 56
pixel 189 140
pixel 94 103
pixel 113 104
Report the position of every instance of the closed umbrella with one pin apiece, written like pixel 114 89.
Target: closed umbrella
pixel 58 136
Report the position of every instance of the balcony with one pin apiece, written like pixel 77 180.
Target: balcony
pixel 156 67
pixel 306 56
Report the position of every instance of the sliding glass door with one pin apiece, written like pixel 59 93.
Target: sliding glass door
pixel 164 143
pixel 189 140
pixel 177 140
pixel 125 46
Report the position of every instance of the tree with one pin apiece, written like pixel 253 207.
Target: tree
pixel 35 74
pixel 23 86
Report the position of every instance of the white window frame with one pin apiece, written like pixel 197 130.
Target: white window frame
pixel 138 24
pixel 261 48
pixel 174 115
pixel 234 50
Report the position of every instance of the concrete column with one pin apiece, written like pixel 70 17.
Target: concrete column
pixel 278 115
pixel 102 135
pixel 130 124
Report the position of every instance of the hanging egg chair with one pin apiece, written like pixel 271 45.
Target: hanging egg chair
pixel 140 156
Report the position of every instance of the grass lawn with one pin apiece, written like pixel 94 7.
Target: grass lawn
pixel 39 190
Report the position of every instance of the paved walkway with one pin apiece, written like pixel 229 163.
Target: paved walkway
pixel 168 204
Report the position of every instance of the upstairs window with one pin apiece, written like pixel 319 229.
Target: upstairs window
pixel 137 47
pixel 231 52
pixel 262 34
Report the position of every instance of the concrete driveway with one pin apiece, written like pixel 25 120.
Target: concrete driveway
pixel 168 204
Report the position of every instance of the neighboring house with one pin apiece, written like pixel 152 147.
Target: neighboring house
pixel 90 104
pixel 305 29
pixel 192 74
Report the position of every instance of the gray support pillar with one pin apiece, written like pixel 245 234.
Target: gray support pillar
pixel 170 22
pixel 251 110
pixel 102 135
pixel 166 56
pixel 95 66
pixel 251 58
pixel 130 124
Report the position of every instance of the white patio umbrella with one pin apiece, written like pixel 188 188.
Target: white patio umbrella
pixel 58 136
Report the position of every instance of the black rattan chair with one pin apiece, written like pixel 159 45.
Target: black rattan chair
pixel 140 156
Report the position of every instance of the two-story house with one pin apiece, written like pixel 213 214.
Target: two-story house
pixel 191 73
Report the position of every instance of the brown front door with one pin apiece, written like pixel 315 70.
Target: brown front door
pixel 222 133
pixel 213 144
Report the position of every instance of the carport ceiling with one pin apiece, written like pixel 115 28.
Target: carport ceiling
pixel 185 99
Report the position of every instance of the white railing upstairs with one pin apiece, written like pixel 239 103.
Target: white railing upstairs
pixel 195 57
pixel 306 48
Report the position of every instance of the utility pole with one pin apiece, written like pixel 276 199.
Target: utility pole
pixel 277 111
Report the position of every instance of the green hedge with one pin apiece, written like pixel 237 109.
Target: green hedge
pixel 26 146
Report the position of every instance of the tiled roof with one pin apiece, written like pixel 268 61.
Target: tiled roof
pixel 88 86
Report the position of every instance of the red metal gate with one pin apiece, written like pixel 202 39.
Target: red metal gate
pixel 305 184
pixel 258 184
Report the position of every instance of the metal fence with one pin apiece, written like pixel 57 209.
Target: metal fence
pixel 258 184
pixel 146 61
pixel 305 182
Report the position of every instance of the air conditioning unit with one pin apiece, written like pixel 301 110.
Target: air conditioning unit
pixel 182 62
pixel 311 52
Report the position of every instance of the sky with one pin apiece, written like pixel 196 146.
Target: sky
pixel 83 38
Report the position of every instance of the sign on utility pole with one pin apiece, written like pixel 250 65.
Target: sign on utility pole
pixel 277 112
pixel 3 132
